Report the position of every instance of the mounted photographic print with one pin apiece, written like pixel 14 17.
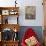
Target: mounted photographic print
pixel 5 12
pixel 30 12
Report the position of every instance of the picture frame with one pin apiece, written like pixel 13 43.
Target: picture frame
pixel 13 12
pixel 30 12
pixel 5 12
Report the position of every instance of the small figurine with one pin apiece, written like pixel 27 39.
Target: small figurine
pixel 15 3
pixel 6 21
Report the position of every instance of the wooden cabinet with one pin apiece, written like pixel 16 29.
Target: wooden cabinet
pixel 9 25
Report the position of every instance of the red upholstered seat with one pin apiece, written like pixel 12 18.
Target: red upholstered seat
pixel 29 33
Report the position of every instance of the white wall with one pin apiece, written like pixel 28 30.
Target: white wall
pixel 39 13
pixel 22 3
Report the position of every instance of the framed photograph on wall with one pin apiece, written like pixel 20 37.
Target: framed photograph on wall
pixel 30 12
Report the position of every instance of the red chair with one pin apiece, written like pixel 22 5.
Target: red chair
pixel 29 33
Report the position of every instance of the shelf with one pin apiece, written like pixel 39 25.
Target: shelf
pixel 6 12
pixel 9 10
pixel 4 8
pixel 10 19
pixel 11 41
pixel 10 26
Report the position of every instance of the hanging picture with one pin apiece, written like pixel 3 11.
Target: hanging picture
pixel 5 12
pixel 30 12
